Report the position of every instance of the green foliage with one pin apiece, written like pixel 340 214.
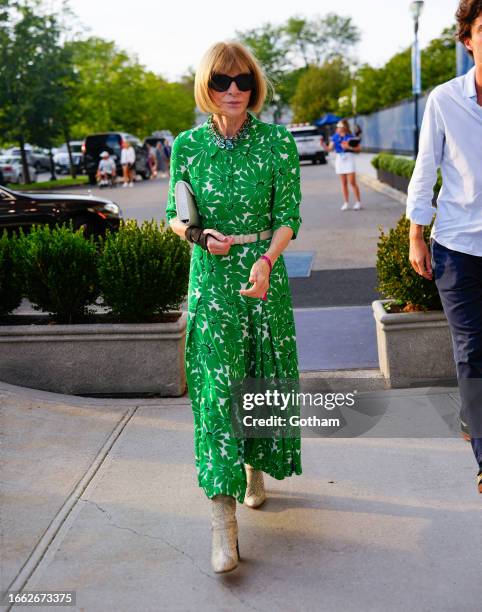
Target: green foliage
pixel 49 185
pixel 401 166
pixel 60 271
pixel 396 277
pixel 315 41
pixel 11 282
pixel 143 270
pixel 287 52
pixel 381 87
pixel 438 59
pixel 319 88
pixel 36 73
pixel 115 92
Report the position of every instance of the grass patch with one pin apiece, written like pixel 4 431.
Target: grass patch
pixel 63 182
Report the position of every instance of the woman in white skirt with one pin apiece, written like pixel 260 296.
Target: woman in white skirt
pixel 345 164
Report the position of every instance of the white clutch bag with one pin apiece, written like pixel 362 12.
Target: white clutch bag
pixel 186 208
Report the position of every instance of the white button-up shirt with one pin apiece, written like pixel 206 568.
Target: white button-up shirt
pixel 450 138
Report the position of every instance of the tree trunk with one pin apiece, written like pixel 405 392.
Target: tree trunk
pixel 52 166
pixel 73 172
pixel 25 168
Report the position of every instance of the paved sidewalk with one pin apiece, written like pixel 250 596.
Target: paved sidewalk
pixel 100 496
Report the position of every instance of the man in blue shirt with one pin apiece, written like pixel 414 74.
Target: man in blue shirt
pixel 451 138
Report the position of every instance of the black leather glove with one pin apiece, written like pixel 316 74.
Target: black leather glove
pixel 195 234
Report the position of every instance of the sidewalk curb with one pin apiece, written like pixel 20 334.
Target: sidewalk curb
pixel 376 185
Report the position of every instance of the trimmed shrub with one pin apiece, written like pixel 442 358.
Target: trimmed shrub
pixel 143 271
pixel 401 166
pixel 60 270
pixel 396 277
pixel 11 281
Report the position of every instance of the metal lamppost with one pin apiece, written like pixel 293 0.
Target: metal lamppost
pixel 353 71
pixel 416 9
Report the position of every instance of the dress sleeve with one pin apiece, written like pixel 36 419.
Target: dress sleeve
pixel 286 183
pixel 177 173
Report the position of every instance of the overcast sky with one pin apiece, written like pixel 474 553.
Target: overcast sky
pixel 168 36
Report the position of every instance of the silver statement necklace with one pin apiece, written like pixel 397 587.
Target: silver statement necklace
pixel 228 143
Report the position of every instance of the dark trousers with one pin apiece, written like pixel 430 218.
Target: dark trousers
pixel 458 277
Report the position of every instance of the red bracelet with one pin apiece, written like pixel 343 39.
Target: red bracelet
pixel 266 258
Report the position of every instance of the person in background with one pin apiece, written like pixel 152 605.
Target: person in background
pixel 151 157
pixel 106 171
pixel 128 161
pixel 167 153
pixel 451 138
pixel 161 159
pixel 345 161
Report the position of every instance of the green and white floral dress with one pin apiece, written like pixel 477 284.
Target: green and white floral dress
pixel 252 187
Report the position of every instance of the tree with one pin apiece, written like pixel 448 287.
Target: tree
pixel 319 89
pixel 380 87
pixel 438 59
pixel 35 75
pixel 314 41
pixel 116 93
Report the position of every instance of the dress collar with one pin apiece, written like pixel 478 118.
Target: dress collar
pixel 469 84
pixel 244 145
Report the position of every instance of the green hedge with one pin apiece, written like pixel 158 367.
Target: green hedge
pixel 60 271
pixel 396 277
pixel 11 280
pixel 141 272
pixel 401 166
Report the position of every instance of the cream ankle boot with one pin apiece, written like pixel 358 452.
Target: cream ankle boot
pixel 255 494
pixel 225 550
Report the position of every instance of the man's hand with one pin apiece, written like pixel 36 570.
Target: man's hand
pixel 419 257
pixel 259 276
pixel 219 245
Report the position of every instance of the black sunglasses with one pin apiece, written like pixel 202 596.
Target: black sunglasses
pixel 222 82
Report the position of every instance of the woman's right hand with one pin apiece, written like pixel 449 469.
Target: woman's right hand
pixel 220 244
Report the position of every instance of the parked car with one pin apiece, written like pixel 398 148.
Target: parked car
pixel 36 157
pixel 61 158
pixel 155 137
pixel 94 144
pixel 309 141
pixel 94 214
pixel 12 169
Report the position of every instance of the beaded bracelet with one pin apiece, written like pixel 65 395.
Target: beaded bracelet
pixel 266 258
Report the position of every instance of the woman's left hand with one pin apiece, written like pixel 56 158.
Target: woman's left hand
pixel 259 276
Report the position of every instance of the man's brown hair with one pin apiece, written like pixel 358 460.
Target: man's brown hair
pixel 466 14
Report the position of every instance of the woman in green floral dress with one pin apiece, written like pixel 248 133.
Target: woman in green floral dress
pixel 245 177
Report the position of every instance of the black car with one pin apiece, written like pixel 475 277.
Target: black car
pixel 22 210
pixel 94 144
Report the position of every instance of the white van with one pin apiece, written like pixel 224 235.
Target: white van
pixel 309 141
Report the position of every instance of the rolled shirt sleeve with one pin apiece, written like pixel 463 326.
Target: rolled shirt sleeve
pixel 287 188
pixel 431 145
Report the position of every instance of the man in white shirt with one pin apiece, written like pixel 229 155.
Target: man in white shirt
pixel 451 138
pixel 128 162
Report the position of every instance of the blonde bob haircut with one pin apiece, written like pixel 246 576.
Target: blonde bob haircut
pixel 224 57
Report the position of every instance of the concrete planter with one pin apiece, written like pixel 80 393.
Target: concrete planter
pixel 394 180
pixel 413 346
pixel 114 359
